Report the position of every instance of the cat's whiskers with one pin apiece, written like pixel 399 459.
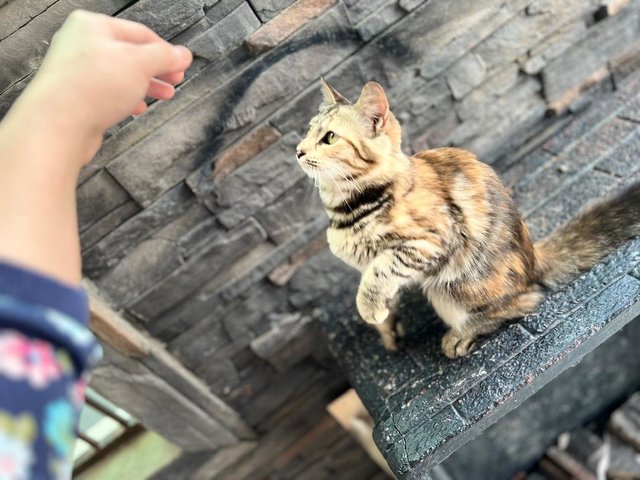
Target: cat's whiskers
pixel 344 174
pixel 344 197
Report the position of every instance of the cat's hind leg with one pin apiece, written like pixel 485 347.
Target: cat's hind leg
pixel 461 339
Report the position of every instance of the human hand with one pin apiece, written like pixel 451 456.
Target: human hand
pixel 97 72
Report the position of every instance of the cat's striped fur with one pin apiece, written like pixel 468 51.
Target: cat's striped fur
pixel 440 219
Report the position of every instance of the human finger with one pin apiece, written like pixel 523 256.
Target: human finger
pixel 160 90
pixel 140 108
pixel 172 78
pixel 163 58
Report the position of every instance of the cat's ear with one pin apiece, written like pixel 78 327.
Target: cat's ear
pixel 373 104
pixel 330 95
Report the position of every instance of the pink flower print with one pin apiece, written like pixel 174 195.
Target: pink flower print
pixel 22 358
pixel 78 392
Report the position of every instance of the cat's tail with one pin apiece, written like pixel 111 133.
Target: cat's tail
pixel 584 240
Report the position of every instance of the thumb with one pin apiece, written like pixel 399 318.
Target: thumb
pixel 160 58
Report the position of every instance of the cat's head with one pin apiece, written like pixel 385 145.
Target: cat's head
pixel 351 140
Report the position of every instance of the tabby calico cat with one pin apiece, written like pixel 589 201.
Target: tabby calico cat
pixel 440 219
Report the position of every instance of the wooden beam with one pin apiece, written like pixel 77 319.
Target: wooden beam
pixel 139 373
pixel 112 329
pixel 352 415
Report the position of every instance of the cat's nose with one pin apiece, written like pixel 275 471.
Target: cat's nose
pixel 299 154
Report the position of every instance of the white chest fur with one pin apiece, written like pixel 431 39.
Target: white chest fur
pixel 449 311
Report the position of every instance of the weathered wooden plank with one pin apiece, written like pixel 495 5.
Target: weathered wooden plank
pixel 125 345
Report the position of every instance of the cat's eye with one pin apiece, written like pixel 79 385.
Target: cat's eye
pixel 329 138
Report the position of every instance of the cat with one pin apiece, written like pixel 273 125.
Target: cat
pixel 440 219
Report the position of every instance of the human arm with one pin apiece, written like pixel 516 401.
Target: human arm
pixel 96 72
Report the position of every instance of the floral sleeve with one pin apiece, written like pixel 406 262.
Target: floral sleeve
pixel 46 351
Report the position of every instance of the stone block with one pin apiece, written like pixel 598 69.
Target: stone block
pixel 199 86
pixel 107 252
pixel 10 95
pixel 200 235
pixel 226 34
pixel 97 197
pixel 516 102
pixel 361 9
pixel 286 343
pixel 259 268
pixel 151 260
pixel 17 14
pixel 208 302
pixel 244 319
pixel 205 350
pixel 379 20
pixel 348 78
pixel 285 24
pixel 22 52
pixel 409 5
pixel 429 117
pixel 297 207
pixel 259 182
pixel 198 132
pixel 520 34
pixel 538 7
pixel 165 17
pixel 282 273
pixel 482 97
pixel 501 116
pixel 319 277
pixel 216 257
pixel 241 152
pixel 624 65
pixel 217 10
pixel 553 46
pixel 466 74
pixel 605 40
pixel 440 45
pixel 438 134
pixel 111 221
pixel 267 9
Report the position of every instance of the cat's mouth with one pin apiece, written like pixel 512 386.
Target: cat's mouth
pixel 312 164
pixel 309 166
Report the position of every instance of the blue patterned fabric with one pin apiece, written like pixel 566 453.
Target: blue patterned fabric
pixel 46 350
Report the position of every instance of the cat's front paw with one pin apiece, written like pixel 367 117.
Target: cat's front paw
pixel 370 308
pixel 455 345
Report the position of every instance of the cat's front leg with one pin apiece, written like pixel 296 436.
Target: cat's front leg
pixel 381 281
